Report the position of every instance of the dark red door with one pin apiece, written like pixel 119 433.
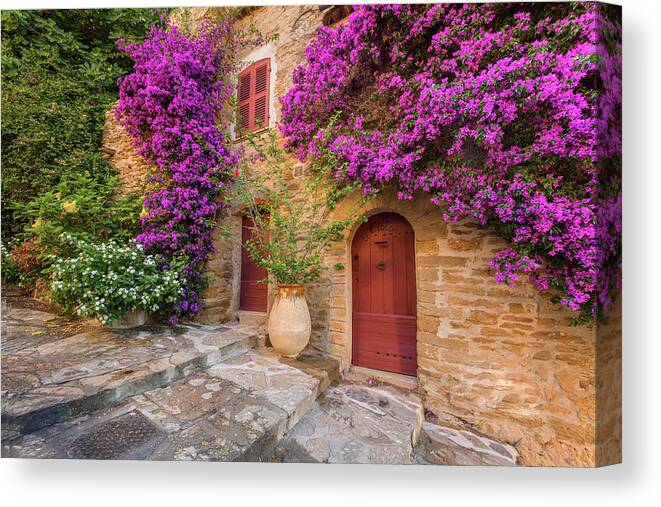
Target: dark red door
pixel 253 289
pixel 384 298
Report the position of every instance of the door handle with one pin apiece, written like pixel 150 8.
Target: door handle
pixel 381 265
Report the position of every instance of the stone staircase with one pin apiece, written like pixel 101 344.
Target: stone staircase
pixel 256 406
pixel 153 392
pixel 236 410
pixel 55 381
pixel 215 393
pixel 149 392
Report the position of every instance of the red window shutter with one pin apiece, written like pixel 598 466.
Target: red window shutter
pixel 244 96
pixel 262 81
pixel 253 96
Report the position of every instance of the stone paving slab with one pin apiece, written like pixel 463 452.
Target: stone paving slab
pixel 441 445
pixel 287 387
pixel 45 383
pixel 236 411
pixel 352 423
pixel 27 322
pixel 323 367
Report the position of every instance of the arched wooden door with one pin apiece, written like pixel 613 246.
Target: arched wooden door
pixel 384 295
pixel 254 293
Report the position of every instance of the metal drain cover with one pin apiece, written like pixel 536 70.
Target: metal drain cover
pixel 112 438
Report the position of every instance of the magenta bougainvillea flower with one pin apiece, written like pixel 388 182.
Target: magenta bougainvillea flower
pixel 170 104
pixel 506 113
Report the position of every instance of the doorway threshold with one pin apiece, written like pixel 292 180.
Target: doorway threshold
pixel 396 379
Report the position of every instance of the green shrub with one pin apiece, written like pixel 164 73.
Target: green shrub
pixel 31 260
pixel 291 232
pixel 59 72
pixel 107 280
pixel 9 270
pixel 78 206
pixel 84 207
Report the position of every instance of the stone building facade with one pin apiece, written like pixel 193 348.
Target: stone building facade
pixel 504 361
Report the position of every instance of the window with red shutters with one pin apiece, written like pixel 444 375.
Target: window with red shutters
pixel 253 97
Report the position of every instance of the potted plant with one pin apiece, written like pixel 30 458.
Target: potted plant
pixel 118 284
pixel 291 231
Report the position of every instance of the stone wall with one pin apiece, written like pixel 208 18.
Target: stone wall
pixel 223 271
pixel 117 147
pixel 609 387
pixel 291 27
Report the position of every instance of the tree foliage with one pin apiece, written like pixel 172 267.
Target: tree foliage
pixel 59 72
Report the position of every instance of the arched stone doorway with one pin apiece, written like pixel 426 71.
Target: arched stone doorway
pixel 384 295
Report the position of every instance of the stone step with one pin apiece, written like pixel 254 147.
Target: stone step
pixel 237 410
pixel 50 382
pixel 256 320
pixel 354 423
pixel 441 445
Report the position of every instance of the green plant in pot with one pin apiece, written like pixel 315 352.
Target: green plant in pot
pixel 118 284
pixel 292 212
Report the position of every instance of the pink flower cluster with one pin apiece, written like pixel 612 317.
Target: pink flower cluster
pixel 170 104
pixel 507 113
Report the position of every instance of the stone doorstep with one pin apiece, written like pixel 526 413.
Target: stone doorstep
pixel 237 410
pixel 254 319
pixel 60 399
pixel 359 374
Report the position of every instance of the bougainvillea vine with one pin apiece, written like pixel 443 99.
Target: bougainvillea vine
pixel 171 104
pixel 506 113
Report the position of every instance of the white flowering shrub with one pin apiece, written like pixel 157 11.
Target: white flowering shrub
pixel 108 280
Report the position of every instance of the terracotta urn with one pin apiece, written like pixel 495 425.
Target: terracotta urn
pixel 289 325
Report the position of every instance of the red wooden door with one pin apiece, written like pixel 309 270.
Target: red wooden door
pixel 253 289
pixel 384 295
